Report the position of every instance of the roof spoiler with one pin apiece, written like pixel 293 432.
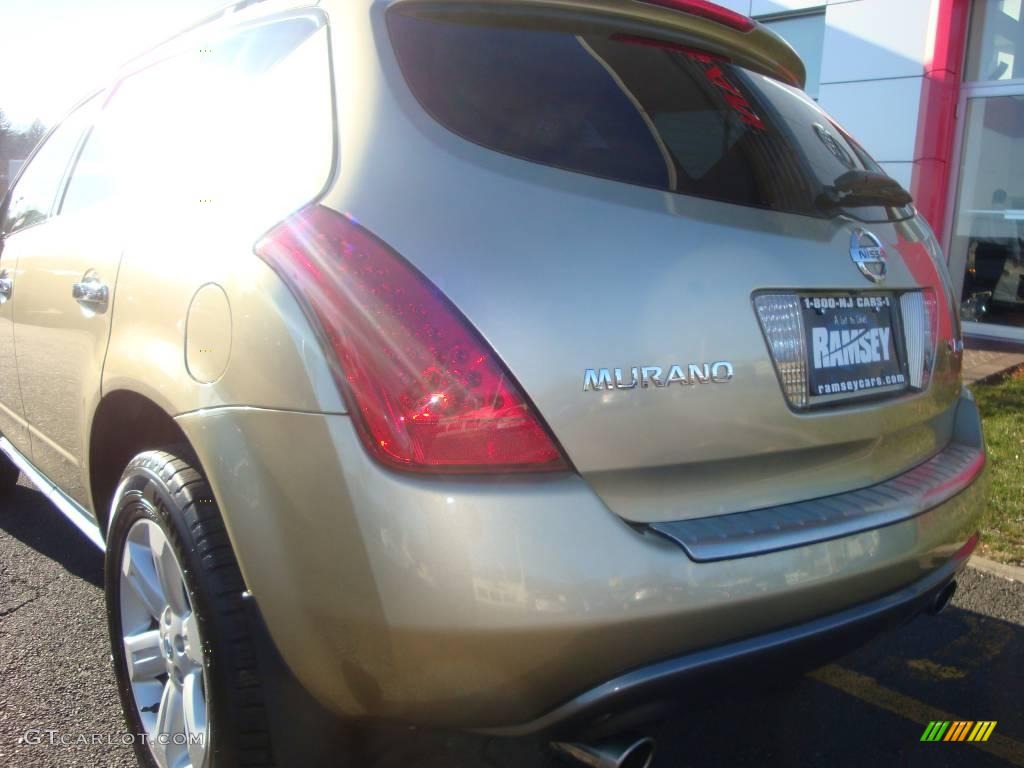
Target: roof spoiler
pixel 753 47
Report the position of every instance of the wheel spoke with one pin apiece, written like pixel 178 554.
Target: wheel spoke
pixel 168 571
pixel 143 654
pixel 193 643
pixel 139 574
pixel 168 722
pixel 195 716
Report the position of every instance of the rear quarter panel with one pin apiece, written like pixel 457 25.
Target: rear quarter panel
pixel 274 360
pixel 259 350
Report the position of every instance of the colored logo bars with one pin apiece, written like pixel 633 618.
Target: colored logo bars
pixel 958 730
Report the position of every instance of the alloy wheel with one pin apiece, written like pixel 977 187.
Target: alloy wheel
pixel 163 649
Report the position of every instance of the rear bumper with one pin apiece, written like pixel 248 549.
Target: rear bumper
pixel 804 646
pixel 484 603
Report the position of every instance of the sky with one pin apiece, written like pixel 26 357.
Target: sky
pixel 53 53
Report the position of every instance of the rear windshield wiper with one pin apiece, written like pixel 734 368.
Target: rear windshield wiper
pixel 860 189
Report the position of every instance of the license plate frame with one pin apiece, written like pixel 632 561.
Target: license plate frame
pixel 855 346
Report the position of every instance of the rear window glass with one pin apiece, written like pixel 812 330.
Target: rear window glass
pixel 632 109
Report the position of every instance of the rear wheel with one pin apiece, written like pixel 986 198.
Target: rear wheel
pixel 185 666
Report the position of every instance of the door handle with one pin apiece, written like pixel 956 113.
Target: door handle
pixel 6 286
pixel 91 293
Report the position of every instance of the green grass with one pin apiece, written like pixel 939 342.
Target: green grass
pixel 1002 409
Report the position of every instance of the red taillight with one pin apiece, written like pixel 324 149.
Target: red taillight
pixel 709 11
pixel 426 391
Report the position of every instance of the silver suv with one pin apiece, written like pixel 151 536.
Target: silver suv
pixel 503 365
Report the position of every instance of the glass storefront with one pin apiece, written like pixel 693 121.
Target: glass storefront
pixel 989 225
pixel 986 246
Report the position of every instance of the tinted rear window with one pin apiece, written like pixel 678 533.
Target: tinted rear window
pixel 631 109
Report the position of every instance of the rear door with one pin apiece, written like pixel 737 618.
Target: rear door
pixel 29 232
pixel 61 326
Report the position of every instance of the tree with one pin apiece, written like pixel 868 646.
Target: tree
pixel 5 136
pixel 16 145
pixel 5 146
pixel 35 132
pixel 25 141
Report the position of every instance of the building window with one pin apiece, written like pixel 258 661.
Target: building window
pixel 996 46
pixel 988 236
pixel 806 33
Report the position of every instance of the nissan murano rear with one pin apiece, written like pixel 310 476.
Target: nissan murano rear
pixel 506 365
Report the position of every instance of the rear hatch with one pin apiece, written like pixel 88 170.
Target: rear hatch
pixel 709 291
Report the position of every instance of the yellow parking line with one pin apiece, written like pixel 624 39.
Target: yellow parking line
pixel 935 671
pixel 868 690
pixel 983 641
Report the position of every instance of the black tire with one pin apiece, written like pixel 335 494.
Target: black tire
pixel 9 475
pixel 168 488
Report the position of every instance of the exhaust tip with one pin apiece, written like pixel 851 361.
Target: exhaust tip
pixel 639 755
pixel 616 753
pixel 942 599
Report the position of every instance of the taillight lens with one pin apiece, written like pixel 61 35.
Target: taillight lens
pixel 783 324
pixel 921 328
pixel 707 10
pixel 426 392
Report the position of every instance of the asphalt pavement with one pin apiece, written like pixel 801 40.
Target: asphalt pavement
pixel 870 708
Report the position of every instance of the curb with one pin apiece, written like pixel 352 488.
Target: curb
pixel 983 564
pixel 997 376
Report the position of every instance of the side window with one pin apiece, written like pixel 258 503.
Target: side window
pixel 92 178
pixel 33 195
pixel 196 129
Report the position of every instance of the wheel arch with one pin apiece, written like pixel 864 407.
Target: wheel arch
pixel 124 424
